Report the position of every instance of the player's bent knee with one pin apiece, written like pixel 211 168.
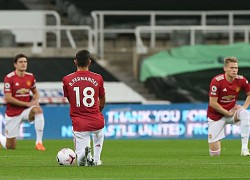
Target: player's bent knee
pixel 242 113
pixel 37 110
pixel 243 116
pixel 214 153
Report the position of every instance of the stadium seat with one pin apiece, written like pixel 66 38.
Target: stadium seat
pixel 7 39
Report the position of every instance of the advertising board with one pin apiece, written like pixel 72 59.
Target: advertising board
pixel 130 121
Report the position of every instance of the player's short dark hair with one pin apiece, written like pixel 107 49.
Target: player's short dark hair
pixel 82 57
pixel 19 56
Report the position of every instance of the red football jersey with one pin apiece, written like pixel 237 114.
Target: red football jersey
pixel 226 92
pixel 20 88
pixel 83 89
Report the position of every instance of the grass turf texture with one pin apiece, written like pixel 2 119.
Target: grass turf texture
pixel 129 159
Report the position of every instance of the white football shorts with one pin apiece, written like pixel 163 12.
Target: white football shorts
pixel 12 126
pixel 216 129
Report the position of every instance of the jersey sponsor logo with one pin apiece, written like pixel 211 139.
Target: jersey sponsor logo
pixel 227 101
pixel 210 136
pixel 228 98
pixel 22 91
pixel 225 90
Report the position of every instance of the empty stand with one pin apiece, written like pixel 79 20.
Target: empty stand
pixel 52 69
pixel 114 38
pixel 7 39
pixel 12 5
pixel 188 87
pixel 140 5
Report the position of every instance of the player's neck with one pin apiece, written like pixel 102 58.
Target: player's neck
pixel 229 79
pixel 20 73
pixel 82 68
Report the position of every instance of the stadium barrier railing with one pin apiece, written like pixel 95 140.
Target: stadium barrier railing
pixel 100 29
pixel 231 30
pixel 32 26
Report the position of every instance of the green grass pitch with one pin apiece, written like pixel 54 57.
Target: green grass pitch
pixel 129 159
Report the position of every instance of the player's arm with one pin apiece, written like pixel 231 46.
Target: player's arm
pixel 213 102
pixel 65 90
pixel 102 102
pixel 35 97
pixel 12 100
pixel 247 101
pixel 102 97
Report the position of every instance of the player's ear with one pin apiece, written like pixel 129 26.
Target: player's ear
pixel 75 61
